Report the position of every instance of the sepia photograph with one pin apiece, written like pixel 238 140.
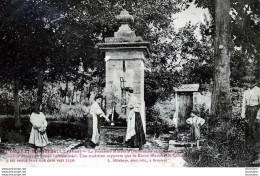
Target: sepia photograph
pixel 129 83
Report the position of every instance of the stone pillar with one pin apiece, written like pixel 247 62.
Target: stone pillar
pixel 125 54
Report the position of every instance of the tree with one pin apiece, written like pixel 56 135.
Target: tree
pixel 245 34
pixel 240 42
pixel 25 45
pixel 88 23
pixel 61 35
pixel 179 58
pixel 85 23
pixel 221 105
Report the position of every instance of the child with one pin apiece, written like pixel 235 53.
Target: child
pixel 195 122
pixel 38 136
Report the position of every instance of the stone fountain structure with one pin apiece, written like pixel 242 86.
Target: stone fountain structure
pixel 125 56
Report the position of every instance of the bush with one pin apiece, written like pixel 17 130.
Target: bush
pixel 9 133
pixel 155 125
pixel 166 108
pixel 14 137
pixel 67 129
pixel 222 148
pixel 73 113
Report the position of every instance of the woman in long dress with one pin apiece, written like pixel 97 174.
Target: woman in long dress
pixel 38 136
pixel 135 136
pixel 96 112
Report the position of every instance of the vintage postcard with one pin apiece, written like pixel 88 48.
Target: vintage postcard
pixel 127 83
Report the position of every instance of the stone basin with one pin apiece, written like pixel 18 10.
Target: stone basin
pixel 112 136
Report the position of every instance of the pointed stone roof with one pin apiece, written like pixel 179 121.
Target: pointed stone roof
pixel 125 37
pixel 187 88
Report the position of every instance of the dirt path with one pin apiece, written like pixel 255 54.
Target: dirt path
pixel 72 152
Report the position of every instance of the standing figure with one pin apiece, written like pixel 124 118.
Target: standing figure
pixel 196 122
pixel 250 107
pixel 96 112
pixel 38 136
pixel 135 136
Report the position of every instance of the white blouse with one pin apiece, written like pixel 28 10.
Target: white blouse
pixel 95 109
pixel 38 121
pixel 251 97
pixel 195 120
pixel 133 104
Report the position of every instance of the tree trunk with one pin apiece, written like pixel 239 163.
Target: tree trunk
pixel 40 87
pixel 66 90
pixel 72 96
pixel 221 103
pixel 16 104
pixel 257 72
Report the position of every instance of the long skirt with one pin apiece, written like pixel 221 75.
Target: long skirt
pixel 95 133
pixel 89 126
pixel 253 128
pixel 138 140
pixel 38 139
pixel 94 124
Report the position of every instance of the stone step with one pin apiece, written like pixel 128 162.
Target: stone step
pixel 177 144
pixel 105 147
pixel 173 144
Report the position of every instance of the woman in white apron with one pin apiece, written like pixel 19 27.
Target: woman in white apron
pixel 96 112
pixel 135 136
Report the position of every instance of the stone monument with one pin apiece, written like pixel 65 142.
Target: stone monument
pixel 125 54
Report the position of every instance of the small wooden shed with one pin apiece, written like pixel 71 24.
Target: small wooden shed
pixel 184 102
